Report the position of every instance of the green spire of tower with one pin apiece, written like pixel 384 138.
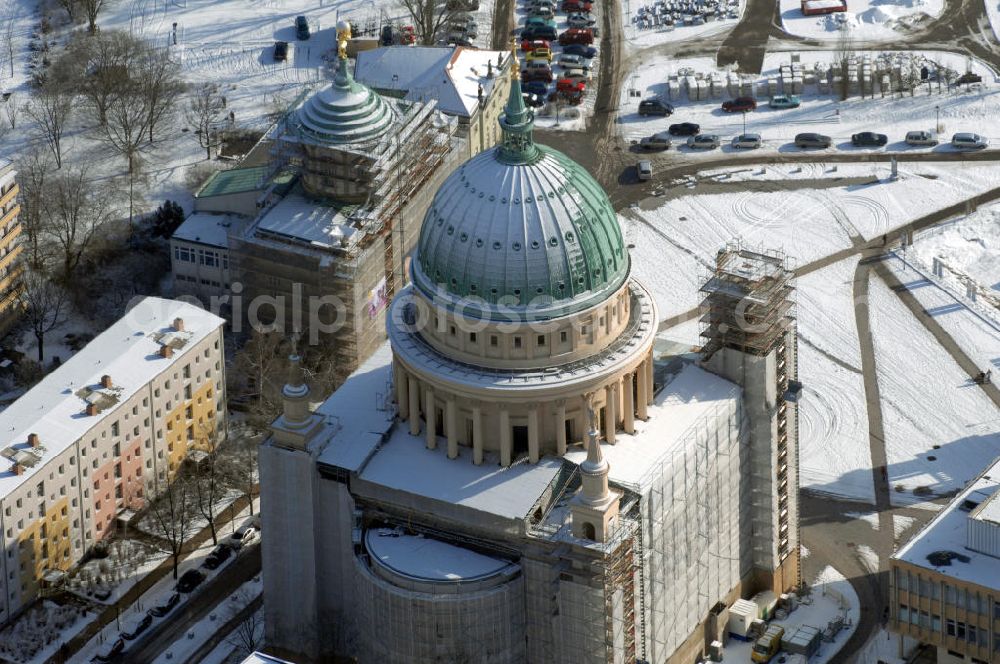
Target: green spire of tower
pixel 517 145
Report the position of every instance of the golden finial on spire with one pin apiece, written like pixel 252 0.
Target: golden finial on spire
pixel 343 35
pixel 515 66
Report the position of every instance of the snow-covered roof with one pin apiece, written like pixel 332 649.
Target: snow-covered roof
pixel 261 658
pixel 948 531
pixel 450 74
pixel 208 228
pixel 689 397
pixel 299 218
pixel 128 352
pixel 429 559
pixel 7 172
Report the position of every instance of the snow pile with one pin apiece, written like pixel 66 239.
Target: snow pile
pixel 900 524
pixel 867 19
pixel 868 558
pixel 871 518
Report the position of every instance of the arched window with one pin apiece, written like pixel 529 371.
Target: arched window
pixel 588 531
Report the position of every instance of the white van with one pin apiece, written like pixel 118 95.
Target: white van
pixel 645 170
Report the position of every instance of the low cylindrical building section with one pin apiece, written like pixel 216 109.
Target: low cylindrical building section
pixel 423 601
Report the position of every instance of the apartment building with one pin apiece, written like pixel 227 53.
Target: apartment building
pixel 10 248
pixel 100 434
pixel 944 584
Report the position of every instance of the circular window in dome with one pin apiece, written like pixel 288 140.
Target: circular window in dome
pixel 534 244
pixel 597 272
pixel 472 189
pixel 451 230
pixel 479 241
pixel 517 201
pixel 492 198
pixel 553 241
pixel 529 200
pixel 464 237
pixel 504 200
pixel 516 246
pixel 440 221
pixel 517 291
pixel 551 195
pixel 493 291
pixel 497 245
pixel 562 286
pixel 539 290
pixel 579 280
pixel 454 281
pixel 472 288
pixel 481 194
pixel 569 236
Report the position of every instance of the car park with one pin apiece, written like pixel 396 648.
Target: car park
pixel 136 626
pixel 869 139
pixel 539 54
pixel 301 28
pixel 534 88
pixel 567 60
pixel 538 32
pixel 218 556
pixel 747 142
pixel 538 21
pixel 577 36
pixel 703 142
pixel 922 138
pixel 659 141
pixel 242 536
pixel 576 6
pixel 684 129
pixel 536 75
pixel 739 105
pixel 542 11
pixel 588 52
pixel 576 74
pixel 655 107
pixel 109 651
pixel 644 169
pixel 190 580
pixel 528 45
pixel 812 140
pixel 968 140
pixel 280 51
pixel 581 20
pixel 570 85
pixel 784 101
pixel 165 606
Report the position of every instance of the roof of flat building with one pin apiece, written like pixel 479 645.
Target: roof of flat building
pixel 299 218
pixel 234 181
pixel 941 545
pixel 209 228
pixel 128 352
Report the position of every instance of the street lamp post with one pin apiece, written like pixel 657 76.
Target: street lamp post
pixel 937 119
pixel 744 122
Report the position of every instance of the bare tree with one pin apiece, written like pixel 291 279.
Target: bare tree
pixel 172 513
pixel 10 14
pixel 257 376
pixel 208 479
pixel 205 111
pixel 162 87
pixel 34 170
pixel 240 466
pixel 91 9
pixel 103 62
pixel 72 8
pixel 76 210
pixel 429 17
pixel 249 633
pixel 12 111
pixel 45 306
pixel 51 110
pixel 842 56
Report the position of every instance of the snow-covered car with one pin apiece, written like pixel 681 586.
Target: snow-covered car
pixel 644 169
pixel 567 60
pixel 784 101
pixel 921 138
pixel 659 141
pixel 109 651
pixel 136 626
pixel 968 140
pixel 703 142
pixel 244 535
pixel 747 141
pixel 165 605
pixel 581 20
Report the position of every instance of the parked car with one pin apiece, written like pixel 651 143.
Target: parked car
pixel 189 580
pixel 684 129
pixel 768 645
pixel 966 140
pixel 136 626
pixel 242 536
pixel 747 142
pixel 577 36
pixel 164 607
pixel 538 21
pixel 645 170
pixel 528 45
pixel 869 139
pixel 537 75
pixel 576 6
pixel 109 651
pixel 570 85
pixel 812 140
pixel 218 556
pixel 581 20
pixel 543 11
pixel 921 138
pixel 659 141
pixel 542 54
pixel 703 142
pixel 739 105
pixel 969 77
pixel 576 74
pixel 301 28
pixel 534 32
pixel 534 100
pixel 568 60
pixel 280 51
pixel 655 107
pixel 534 88
pixel 534 4
pixel 588 52
pixel 784 101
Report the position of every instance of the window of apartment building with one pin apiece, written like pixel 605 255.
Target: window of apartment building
pixel 114 428
pixel 149 463
pixel 95 464
pixel 541 340
pixel 156 393
pixel 135 410
pixel 117 449
pixel 72 461
pixel 187 391
pixel 145 402
pixel 189 413
pixel 904 613
pixel 190 433
pixel 187 370
pixel 118 491
pixel 118 470
pixel 40 489
pixel 517 342
pixel 972 634
pixel 18 503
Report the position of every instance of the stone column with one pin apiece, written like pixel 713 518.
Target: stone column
pixel 610 412
pixel 533 442
pixel 414 390
pixel 506 444
pixel 450 428
pixel 430 416
pixel 477 435
pixel 643 400
pixel 402 396
pixel 561 427
pixel 649 379
pixel 629 407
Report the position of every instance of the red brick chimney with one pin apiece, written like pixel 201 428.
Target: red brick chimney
pixel 106 381
pixel 33 440
pixel 179 324
pixel 166 351
pixel 92 409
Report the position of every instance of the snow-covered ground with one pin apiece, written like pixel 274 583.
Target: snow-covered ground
pixel 37 634
pixel 968 246
pixel 128 562
pixel 641 31
pixel 960 109
pixel 939 427
pixel 832 598
pixel 866 20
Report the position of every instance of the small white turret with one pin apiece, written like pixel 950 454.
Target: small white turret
pixel 595 508
pixel 297 425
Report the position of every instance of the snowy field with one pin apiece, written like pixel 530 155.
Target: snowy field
pixel 939 427
pixel 960 109
pixel 639 33
pixel 866 20
pixel 968 246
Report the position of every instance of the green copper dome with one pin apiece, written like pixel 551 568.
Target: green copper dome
pixel 520 231
pixel 345 112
